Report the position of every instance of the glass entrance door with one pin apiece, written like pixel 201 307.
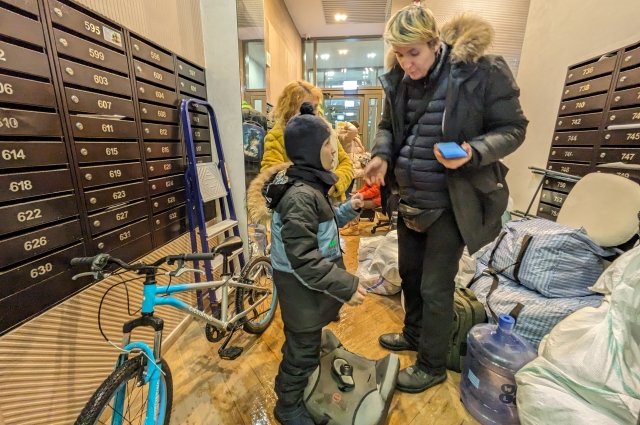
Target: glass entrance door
pixel 343 109
pixel 365 107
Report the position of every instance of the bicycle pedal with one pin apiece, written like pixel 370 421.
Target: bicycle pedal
pixel 230 353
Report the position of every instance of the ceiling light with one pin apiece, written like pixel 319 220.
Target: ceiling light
pixel 371 55
pixel 343 51
pixel 325 56
pixel 340 17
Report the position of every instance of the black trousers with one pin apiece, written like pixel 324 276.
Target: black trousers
pixel 428 263
pixel 300 357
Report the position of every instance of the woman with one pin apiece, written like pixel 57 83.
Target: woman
pixel 348 136
pixel 289 102
pixel 441 88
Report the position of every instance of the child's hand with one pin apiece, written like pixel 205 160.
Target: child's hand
pixel 357 201
pixel 358 297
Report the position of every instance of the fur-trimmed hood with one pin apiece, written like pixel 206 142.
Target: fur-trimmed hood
pixel 468 35
pixel 256 202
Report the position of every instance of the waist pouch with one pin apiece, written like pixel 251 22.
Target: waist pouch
pixel 418 219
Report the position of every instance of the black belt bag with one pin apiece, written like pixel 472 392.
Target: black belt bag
pixel 418 219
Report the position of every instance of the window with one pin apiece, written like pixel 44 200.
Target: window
pixel 254 65
pixel 344 64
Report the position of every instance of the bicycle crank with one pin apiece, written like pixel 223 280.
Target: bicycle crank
pixel 214 334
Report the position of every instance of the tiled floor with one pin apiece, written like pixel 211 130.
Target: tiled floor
pixel 208 390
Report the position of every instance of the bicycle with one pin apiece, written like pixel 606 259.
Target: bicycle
pixel 140 387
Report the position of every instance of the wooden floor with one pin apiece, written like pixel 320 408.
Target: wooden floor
pixel 211 391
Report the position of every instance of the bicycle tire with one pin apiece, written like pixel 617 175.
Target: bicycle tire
pixel 131 369
pixel 262 320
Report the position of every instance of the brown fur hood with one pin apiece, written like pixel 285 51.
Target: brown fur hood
pixel 468 35
pixel 256 203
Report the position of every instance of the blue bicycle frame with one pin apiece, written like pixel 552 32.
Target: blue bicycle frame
pixel 159 295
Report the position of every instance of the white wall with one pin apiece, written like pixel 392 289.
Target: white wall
pixel 220 32
pixel 174 24
pixel 559 34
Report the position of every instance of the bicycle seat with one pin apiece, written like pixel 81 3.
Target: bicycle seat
pixel 229 246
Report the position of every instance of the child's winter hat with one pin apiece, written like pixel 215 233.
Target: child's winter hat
pixel 304 136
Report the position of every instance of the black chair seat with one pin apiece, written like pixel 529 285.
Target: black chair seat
pixel 229 246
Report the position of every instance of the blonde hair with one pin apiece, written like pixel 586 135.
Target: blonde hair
pixel 412 24
pixel 291 98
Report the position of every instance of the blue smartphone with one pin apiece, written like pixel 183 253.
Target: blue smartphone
pixel 451 150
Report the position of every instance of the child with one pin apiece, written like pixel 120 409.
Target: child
pixel 308 270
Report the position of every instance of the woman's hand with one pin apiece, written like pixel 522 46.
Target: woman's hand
pixel 375 171
pixel 453 164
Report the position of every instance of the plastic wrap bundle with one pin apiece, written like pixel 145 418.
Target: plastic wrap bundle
pixel 378 264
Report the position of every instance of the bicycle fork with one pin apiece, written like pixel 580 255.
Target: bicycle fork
pixel 156 395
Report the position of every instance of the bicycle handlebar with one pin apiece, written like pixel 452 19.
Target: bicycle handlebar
pixel 82 261
pixel 100 261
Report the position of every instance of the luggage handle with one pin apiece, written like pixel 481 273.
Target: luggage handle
pixel 490 271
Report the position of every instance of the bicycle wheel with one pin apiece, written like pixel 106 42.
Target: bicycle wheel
pixel 260 273
pixel 123 381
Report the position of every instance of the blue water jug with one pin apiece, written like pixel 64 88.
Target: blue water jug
pixel 494 355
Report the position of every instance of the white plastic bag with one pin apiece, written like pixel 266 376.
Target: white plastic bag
pixel 588 371
pixel 466 269
pixel 378 264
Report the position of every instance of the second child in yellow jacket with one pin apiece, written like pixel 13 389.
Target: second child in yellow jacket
pixel 288 105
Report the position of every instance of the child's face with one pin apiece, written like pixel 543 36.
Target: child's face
pixel 327 153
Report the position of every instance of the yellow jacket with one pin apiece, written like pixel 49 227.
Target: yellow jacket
pixel 274 153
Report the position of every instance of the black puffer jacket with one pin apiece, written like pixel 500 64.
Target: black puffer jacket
pixel 482 108
pixel 421 178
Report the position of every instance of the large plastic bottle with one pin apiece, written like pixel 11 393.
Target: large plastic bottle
pixel 494 355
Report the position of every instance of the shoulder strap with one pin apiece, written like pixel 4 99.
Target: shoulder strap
pixel 422 108
pixel 489 270
pixel 495 248
pixel 515 311
pixel 523 250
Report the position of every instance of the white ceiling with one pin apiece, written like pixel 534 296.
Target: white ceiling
pixel 315 18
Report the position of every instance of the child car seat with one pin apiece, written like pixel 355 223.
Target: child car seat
pixel 348 389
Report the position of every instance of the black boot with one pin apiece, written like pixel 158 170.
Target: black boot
pixel 396 342
pixel 415 380
pixel 298 417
